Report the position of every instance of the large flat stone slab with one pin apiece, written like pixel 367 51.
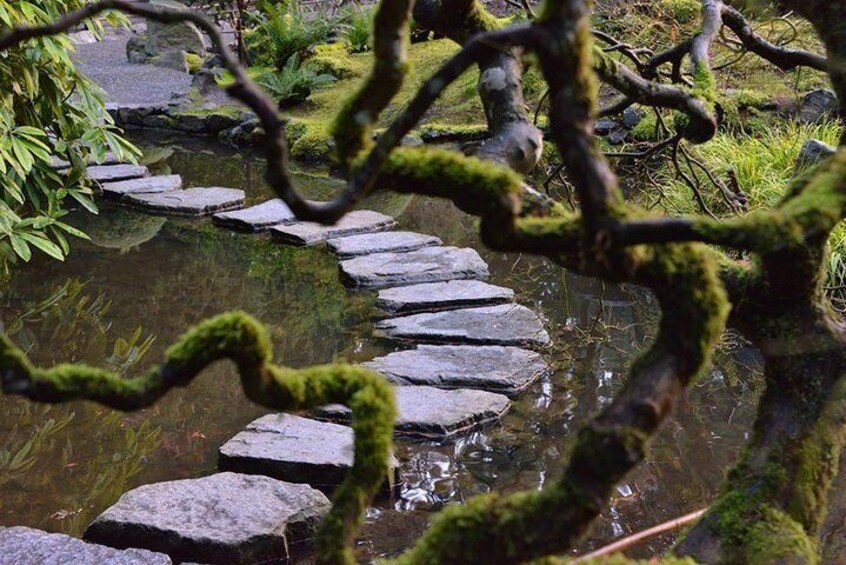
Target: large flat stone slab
pixel 114 173
pixel 227 518
pixel 189 202
pixel 433 297
pixel 256 218
pixel 506 370
pixel 506 324
pixel 291 448
pixel 354 223
pixel 26 546
pixel 108 159
pixel 144 185
pixel 428 412
pixel 430 264
pixel 384 242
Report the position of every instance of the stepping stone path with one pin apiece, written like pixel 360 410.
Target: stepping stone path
pixel 60 164
pixel 430 264
pixel 430 294
pixel 114 173
pixel 143 185
pixel 25 546
pixel 507 324
pixel 227 518
pixel 384 242
pixel 190 202
pixel 507 370
pixel 291 448
pixel 256 218
pixel 447 295
pixel 428 412
pixel 354 223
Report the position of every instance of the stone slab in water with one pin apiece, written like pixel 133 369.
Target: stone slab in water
pixel 385 242
pixel 189 202
pixel 144 185
pixel 507 370
pixel 354 223
pixel 26 546
pixel 506 324
pixel 108 159
pixel 447 295
pixel 227 518
pixel 430 264
pixel 256 218
pixel 428 412
pixel 114 173
pixel 291 448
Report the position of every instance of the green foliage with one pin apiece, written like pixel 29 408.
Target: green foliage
pixel 39 119
pixel 283 32
pixel 357 26
pixel 294 83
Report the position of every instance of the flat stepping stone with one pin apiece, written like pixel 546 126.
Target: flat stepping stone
pixel 227 518
pixel 433 297
pixel 189 202
pixel 144 185
pixel 507 324
pixel 114 173
pixel 108 159
pixel 19 546
pixel 291 448
pixel 430 264
pixel 428 412
pixel 256 218
pixel 385 242
pixel 354 223
pixel 507 370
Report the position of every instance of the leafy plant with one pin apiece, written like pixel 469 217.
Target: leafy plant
pixel 39 119
pixel 357 25
pixel 294 83
pixel 285 32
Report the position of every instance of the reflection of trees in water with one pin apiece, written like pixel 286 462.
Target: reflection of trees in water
pixel 77 458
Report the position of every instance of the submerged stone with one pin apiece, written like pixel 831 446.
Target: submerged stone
pixel 144 185
pixel 114 173
pixel 384 242
pixel 26 546
pixel 430 264
pixel 291 448
pixel 506 370
pixel 189 202
pixel 354 223
pixel 256 218
pixel 448 295
pixel 507 324
pixel 225 518
pixel 428 412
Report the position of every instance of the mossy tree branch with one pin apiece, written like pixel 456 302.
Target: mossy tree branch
pixel 240 338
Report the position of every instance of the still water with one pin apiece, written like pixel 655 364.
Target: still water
pixel 122 298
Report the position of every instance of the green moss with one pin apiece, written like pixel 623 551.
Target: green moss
pixel 646 129
pixel 682 11
pixel 335 60
pixel 195 62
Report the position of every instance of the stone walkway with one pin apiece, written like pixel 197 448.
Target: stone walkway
pixel 268 496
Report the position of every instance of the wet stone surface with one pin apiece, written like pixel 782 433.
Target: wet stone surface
pixel 507 324
pixel 506 370
pixel 447 295
pixel 226 518
pixel 384 242
pixel 291 448
pixel 114 173
pixel 144 185
pixel 190 202
pixel 26 546
pixel 428 412
pixel 354 223
pixel 431 264
pixel 256 218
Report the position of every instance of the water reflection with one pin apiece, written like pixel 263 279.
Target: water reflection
pixel 61 465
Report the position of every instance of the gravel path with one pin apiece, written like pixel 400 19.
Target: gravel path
pixel 105 63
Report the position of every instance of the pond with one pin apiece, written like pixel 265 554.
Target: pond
pixel 122 298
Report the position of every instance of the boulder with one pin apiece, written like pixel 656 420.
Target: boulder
pixel 818 105
pixel 183 36
pixel 226 518
pixel 813 151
